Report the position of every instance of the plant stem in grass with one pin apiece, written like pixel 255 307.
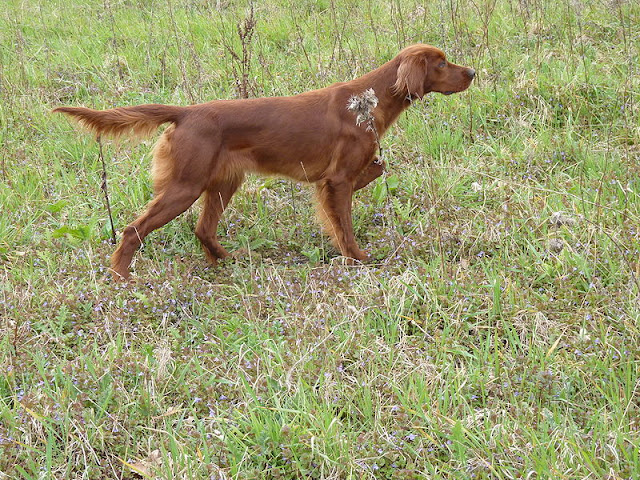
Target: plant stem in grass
pixel 106 193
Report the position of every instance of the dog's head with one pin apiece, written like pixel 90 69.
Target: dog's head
pixel 423 69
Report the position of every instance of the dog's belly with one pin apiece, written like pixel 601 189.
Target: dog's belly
pixel 303 168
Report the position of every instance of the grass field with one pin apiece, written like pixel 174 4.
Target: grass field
pixel 494 336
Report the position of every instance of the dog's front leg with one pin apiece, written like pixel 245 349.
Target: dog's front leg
pixel 334 209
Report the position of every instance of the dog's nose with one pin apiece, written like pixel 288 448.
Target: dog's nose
pixel 471 73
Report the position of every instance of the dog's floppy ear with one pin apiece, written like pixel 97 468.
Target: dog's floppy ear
pixel 412 74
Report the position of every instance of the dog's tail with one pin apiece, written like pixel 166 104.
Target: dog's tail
pixel 141 120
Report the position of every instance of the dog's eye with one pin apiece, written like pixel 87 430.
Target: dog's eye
pixel 442 64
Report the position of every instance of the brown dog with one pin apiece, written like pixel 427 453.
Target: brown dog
pixel 310 137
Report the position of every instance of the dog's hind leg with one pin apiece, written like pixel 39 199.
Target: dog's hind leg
pixel 181 167
pixel 174 199
pixel 216 198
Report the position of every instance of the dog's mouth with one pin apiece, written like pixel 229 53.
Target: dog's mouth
pixel 457 90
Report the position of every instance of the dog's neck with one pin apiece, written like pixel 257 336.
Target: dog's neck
pixel 390 103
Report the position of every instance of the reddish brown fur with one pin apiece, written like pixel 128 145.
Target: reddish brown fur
pixel 310 137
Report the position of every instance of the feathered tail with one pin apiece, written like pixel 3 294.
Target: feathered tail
pixel 141 120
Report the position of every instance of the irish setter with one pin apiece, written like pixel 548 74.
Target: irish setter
pixel 310 137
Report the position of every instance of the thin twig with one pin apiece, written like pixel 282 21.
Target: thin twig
pixel 106 193
pixel 181 58
pixel 241 63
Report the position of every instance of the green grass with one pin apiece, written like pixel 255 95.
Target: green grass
pixel 492 337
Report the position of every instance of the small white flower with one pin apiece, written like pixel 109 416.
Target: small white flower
pixel 559 219
pixel 362 105
pixel 556 245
